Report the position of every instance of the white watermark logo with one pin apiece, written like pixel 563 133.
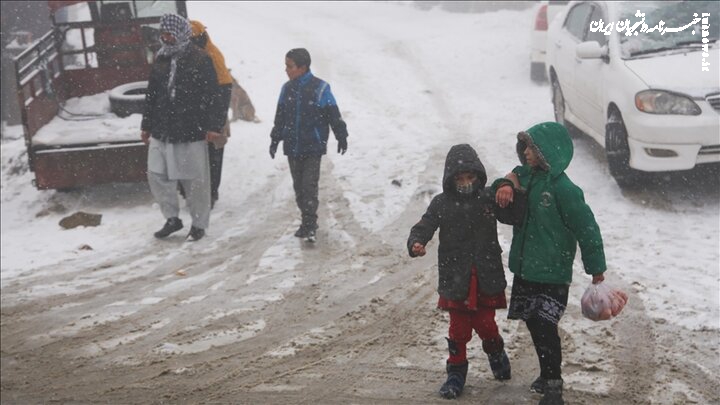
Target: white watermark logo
pixel 620 26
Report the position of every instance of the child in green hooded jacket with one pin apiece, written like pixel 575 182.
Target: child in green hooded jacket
pixel 544 246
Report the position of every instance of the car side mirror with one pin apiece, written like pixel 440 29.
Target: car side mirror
pixel 591 50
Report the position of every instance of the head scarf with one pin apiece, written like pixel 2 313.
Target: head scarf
pixel 179 27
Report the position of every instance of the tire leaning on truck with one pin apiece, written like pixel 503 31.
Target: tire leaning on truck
pixel 128 98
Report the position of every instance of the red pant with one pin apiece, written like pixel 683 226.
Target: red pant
pixel 462 323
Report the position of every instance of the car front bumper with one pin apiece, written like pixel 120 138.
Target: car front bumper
pixel 673 142
pixel 661 157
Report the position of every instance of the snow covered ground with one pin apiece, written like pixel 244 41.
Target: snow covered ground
pixel 142 320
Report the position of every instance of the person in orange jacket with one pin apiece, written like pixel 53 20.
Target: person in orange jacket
pixel 221 101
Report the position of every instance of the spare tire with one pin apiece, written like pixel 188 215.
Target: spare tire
pixel 128 98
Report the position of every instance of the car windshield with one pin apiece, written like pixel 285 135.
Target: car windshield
pixel 681 29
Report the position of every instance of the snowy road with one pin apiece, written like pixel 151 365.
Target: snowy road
pixel 251 315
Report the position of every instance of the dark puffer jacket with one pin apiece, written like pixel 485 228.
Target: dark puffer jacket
pixel 468 229
pixel 194 110
pixel 305 112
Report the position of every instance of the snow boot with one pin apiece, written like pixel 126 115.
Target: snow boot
pixel 553 393
pixel 538 385
pixel 455 383
pixel 301 232
pixel 500 365
pixel 195 234
pixel 171 225
pixel 310 237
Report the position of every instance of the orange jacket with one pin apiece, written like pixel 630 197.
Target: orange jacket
pixel 223 74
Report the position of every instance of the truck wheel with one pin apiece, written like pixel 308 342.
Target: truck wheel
pixel 128 99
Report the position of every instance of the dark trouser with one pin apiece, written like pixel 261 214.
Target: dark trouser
pixel 305 172
pixel 541 306
pixel 547 345
pixel 216 161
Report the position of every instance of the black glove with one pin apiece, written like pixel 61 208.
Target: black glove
pixel 342 146
pixel 273 148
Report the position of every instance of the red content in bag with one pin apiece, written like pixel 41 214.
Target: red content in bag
pixel 601 302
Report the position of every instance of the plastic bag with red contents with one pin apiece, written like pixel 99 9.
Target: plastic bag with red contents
pixel 601 302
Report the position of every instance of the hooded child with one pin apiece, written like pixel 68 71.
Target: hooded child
pixel 471 279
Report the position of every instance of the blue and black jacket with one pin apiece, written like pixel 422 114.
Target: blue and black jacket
pixel 305 112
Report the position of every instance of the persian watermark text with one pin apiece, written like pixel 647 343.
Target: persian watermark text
pixel 641 27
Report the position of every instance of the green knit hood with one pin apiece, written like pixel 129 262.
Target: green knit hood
pixel 552 143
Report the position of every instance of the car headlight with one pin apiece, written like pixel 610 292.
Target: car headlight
pixel 665 102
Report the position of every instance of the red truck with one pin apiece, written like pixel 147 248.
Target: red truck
pixel 98 51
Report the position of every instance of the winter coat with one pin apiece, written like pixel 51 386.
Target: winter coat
pixel 221 99
pixel 468 229
pixel 305 112
pixel 192 113
pixel 223 73
pixel 558 219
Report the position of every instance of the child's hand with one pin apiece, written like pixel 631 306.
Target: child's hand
pixel 504 195
pixel 418 249
pixel 598 278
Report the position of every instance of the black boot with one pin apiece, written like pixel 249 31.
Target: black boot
pixel 311 237
pixel 538 385
pixel 500 365
pixel 455 383
pixel 301 232
pixel 195 234
pixel 553 393
pixel 171 225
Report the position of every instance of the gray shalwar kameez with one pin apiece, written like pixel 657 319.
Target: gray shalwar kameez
pixel 187 163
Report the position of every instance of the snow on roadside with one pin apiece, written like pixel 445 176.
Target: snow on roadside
pixel 419 81
pixel 412 85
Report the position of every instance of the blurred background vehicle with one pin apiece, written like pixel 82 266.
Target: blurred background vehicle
pixel 92 47
pixel 544 12
pixel 22 23
pixel 644 97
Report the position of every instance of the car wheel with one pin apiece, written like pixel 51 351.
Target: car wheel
pixel 558 102
pixel 617 150
pixel 128 99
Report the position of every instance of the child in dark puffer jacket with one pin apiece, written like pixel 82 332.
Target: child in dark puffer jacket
pixel 471 281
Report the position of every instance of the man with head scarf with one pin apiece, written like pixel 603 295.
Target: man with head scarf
pixel 221 102
pixel 179 119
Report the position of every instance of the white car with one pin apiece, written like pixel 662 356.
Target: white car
pixel 651 98
pixel 544 12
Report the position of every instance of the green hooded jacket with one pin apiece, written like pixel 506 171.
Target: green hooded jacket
pixel 557 219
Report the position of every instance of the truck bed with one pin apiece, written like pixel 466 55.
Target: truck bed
pixel 93 125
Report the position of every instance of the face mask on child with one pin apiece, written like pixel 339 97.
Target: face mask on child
pixel 464 189
pixel 464 182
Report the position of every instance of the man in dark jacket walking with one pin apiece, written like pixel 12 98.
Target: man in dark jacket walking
pixel 305 112
pixel 179 120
